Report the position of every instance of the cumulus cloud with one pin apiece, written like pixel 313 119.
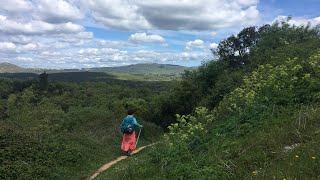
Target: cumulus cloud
pixel 7 46
pixel 13 48
pixel 25 59
pixel 213 33
pixel 198 43
pixel 57 11
pixel 145 38
pixel 214 46
pixel 15 6
pixel 30 47
pixel 19 39
pixel 9 26
pixel 247 2
pixel 77 38
pixel 50 33
pixel 118 14
pixel 174 14
pixel 197 14
pixel 299 21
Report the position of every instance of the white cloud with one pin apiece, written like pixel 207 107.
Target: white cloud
pixel 118 14
pixel 30 47
pixel 9 26
pixel 145 38
pixel 12 48
pixel 15 6
pixel 213 33
pixel 214 46
pixel 57 11
pixel 7 46
pixel 299 21
pixel 19 39
pixel 197 14
pixel 198 43
pixel 25 59
pixel 50 53
pixel 77 39
pixel 248 2
pixel 174 14
pixel 50 33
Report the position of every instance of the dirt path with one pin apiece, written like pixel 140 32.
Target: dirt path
pixel 111 163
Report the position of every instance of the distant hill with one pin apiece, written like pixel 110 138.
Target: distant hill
pixel 138 72
pixel 159 69
pixel 141 69
pixel 10 68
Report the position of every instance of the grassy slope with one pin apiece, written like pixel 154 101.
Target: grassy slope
pixel 259 154
pixel 246 135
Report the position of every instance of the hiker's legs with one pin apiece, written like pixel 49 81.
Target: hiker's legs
pixel 128 142
pixel 129 153
pixel 132 146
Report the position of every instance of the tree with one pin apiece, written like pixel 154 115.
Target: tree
pixel 43 81
pixel 235 49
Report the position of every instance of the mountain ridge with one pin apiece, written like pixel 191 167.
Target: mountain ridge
pixel 6 67
pixel 141 68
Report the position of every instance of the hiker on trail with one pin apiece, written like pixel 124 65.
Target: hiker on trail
pixel 128 128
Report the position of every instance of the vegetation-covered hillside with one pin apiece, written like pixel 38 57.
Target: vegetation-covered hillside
pixel 7 67
pixel 253 114
pixel 144 69
pixel 66 130
pixel 136 72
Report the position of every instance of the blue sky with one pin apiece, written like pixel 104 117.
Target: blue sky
pixel 97 33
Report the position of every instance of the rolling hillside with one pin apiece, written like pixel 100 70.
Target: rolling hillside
pixel 138 72
pixel 160 69
pixel 154 68
pixel 10 68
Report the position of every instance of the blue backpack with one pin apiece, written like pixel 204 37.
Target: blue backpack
pixel 127 126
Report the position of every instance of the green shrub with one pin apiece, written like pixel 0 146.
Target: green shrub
pixel 246 135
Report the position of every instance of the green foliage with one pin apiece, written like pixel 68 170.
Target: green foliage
pixel 137 72
pixel 239 56
pixel 295 81
pixel 238 115
pixel 262 121
pixel 144 69
pixel 43 81
pixel 190 128
pixel 69 130
pixel 235 49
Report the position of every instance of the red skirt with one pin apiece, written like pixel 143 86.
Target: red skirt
pixel 128 142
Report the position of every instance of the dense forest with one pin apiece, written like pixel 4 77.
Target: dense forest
pixel 251 113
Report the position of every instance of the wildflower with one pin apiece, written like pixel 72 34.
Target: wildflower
pixel 297 156
pixel 254 173
pixel 313 157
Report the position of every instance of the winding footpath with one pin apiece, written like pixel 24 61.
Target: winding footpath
pixel 111 163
